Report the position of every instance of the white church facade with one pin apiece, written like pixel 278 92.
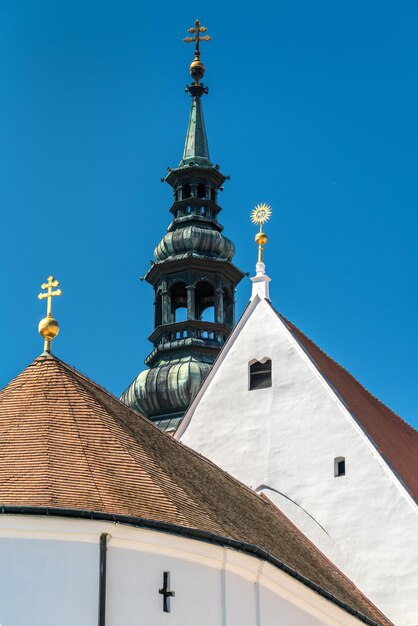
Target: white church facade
pixel 285 419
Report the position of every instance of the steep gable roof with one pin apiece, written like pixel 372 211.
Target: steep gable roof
pixel 396 440
pixel 67 444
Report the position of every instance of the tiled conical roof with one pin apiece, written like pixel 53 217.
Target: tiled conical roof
pixel 66 443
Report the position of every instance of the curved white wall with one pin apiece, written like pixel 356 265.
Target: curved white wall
pixel 49 575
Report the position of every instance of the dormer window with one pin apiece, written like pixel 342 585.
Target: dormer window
pixel 259 374
pixel 339 466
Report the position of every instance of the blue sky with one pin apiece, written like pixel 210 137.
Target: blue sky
pixel 312 108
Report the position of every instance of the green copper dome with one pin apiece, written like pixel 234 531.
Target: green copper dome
pixel 168 387
pixel 194 239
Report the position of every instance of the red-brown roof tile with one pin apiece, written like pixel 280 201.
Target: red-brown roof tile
pixel 66 443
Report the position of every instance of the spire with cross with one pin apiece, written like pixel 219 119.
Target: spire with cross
pixel 196 149
pixel 193 276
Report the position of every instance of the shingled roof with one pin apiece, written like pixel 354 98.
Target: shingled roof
pixel 66 444
pixel 396 440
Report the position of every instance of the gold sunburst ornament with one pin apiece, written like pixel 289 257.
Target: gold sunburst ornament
pixel 259 215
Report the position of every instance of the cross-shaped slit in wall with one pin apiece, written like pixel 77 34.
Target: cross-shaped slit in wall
pixel 166 592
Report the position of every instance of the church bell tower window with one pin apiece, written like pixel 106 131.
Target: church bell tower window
pixel 205 301
pixel 260 374
pixel 186 192
pixel 179 302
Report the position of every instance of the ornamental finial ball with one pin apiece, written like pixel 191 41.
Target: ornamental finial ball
pixel 197 70
pixel 48 327
pixel 260 239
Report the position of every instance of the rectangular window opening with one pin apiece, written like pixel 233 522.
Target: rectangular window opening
pixel 339 466
pixel 260 375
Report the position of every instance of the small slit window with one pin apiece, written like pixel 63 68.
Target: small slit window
pixel 339 466
pixel 260 374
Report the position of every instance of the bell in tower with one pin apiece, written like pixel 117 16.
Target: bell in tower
pixel 193 277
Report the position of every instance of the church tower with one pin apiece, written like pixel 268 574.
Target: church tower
pixel 193 276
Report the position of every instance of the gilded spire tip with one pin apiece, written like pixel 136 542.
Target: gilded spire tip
pixel 48 327
pixel 259 215
pixel 197 69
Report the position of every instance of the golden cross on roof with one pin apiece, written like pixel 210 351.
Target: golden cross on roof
pixel 48 327
pixel 197 28
pixel 50 293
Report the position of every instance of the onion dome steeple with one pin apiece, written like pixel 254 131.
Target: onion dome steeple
pixel 193 276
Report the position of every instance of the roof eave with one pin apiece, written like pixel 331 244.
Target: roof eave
pixel 194 169
pixel 189 261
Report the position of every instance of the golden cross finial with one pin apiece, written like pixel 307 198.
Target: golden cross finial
pixel 197 69
pixel 50 293
pixel 48 327
pixel 197 28
pixel 260 215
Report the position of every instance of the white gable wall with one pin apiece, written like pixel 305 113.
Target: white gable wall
pixel 285 438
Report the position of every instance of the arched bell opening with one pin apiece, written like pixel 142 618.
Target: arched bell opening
pixel 201 190
pixel 178 294
pixel 186 192
pixel 205 301
pixel 208 314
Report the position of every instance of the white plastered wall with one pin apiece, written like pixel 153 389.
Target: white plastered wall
pixel 49 575
pixel 283 440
